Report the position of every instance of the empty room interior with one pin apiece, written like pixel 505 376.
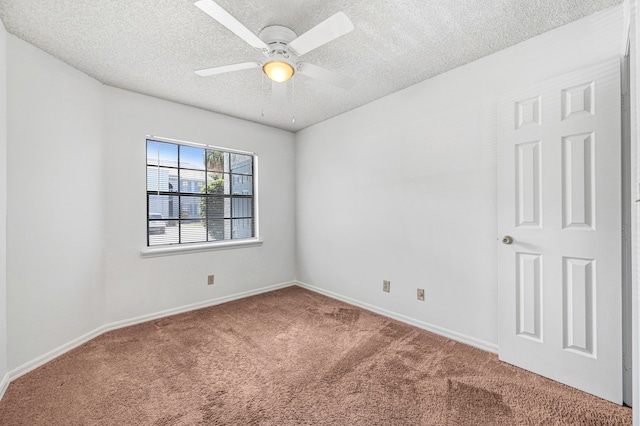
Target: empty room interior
pixel 319 212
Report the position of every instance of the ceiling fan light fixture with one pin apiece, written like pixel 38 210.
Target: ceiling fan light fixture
pixel 278 71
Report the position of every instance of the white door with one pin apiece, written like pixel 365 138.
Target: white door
pixel 559 200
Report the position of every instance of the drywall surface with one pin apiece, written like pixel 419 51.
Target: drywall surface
pixel 3 203
pixel 76 207
pixel 56 203
pixel 139 286
pixel 404 189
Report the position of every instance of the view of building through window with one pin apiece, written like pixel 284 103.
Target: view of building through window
pixel 197 194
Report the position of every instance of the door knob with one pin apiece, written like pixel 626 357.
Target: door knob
pixel 507 239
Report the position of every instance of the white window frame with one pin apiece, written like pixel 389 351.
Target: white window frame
pixel 173 249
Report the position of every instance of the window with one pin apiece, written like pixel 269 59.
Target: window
pixel 198 194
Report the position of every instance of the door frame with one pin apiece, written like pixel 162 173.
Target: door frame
pixel 627 228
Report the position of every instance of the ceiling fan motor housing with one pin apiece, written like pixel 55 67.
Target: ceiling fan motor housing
pixel 277 38
pixel 277 33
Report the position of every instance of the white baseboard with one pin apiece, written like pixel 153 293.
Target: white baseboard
pixel 192 307
pixel 54 353
pixel 4 384
pixel 453 335
pixel 43 359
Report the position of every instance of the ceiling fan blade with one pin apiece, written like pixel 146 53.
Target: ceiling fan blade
pixel 212 9
pixel 327 30
pixel 324 74
pixel 227 68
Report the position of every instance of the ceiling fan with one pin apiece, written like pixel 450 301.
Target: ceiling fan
pixel 282 47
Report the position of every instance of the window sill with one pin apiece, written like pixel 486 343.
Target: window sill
pixel 196 248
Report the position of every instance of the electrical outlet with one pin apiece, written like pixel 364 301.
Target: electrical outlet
pixel 386 286
pixel 421 294
pixel 210 280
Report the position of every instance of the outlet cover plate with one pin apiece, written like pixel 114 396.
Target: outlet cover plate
pixel 386 286
pixel 210 280
pixel 421 294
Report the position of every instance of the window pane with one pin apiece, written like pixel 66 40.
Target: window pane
pixel 160 178
pixel 241 163
pixel 164 205
pixel 193 231
pixel 192 181
pixel 190 207
pixel 241 185
pixel 162 239
pixel 218 183
pixel 159 231
pixel 242 228
pixel 162 154
pixel 227 229
pixel 242 207
pixel 214 207
pixel 192 158
pixel 227 208
pixel 216 160
pixel 215 229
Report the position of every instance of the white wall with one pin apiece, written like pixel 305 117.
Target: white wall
pixel 138 286
pixel 56 203
pixel 3 205
pixel 76 207
pixel 404 188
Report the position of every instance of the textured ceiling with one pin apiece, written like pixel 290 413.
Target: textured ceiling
pixel 153 46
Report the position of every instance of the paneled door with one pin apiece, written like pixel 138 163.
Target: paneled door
pixel 559 219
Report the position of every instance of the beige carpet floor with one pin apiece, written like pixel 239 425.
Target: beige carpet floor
pixel 290 357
